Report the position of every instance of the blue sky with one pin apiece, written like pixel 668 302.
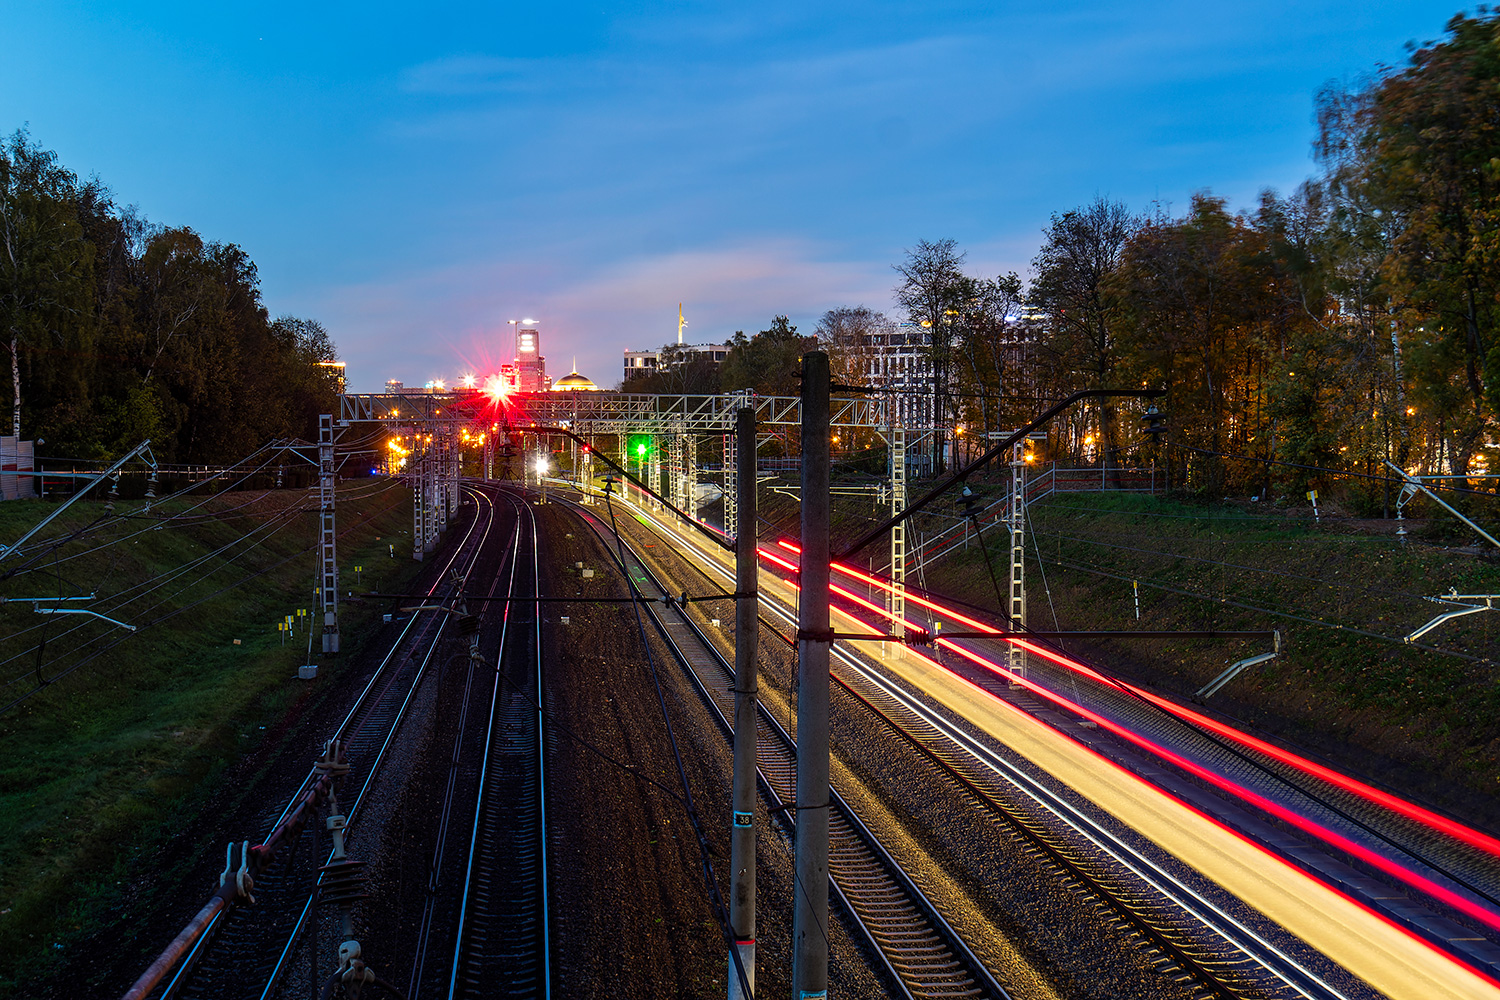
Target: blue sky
pixel 415 175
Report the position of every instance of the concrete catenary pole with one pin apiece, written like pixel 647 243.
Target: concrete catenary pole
pixel 814 639
pixel 746 652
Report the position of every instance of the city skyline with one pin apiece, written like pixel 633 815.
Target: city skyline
pixel 414 182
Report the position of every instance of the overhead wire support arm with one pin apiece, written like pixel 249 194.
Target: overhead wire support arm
pixel 144 446
pixel 1414 484
pixel 702 529
pixel 1460 610
pixel 1003 446
pixel 83 611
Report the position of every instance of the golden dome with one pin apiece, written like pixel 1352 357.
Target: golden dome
pixel 575 382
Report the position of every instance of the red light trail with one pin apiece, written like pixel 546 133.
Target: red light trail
pixel 1409 810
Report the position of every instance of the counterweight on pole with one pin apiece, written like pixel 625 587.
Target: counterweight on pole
pixel 814 640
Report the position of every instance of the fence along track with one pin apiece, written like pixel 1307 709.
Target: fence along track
pixel 237 954
pixel 502 946
pixel 923 954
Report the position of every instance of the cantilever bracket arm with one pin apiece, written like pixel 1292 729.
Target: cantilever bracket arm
pixel 83 611
pixel 708 533
pixel 1235 669
pixel 1459 612
pixel 959 475
pixel 1414 484
pixel 144 446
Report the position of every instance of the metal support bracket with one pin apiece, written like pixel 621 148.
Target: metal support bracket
pixel 1239 667
pixel 83 611
pixel 1451 598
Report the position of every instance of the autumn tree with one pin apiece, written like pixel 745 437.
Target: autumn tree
pixel 934 292
pixel 768 362
pixel 852 336
pixel 678 371
pixel 1190 292
pixel 1082 250
pixel 44 259
pixel 1421 148
pixel 988 349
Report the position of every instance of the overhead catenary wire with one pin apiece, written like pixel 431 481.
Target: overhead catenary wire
pixel 1339 584
pixel 278 519
pixel 721 912
pixel 142 626
pixel 118 601
pixel 1320 623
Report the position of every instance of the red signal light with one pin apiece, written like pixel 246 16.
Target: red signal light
pixel 496 389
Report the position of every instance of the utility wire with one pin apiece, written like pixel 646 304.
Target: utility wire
pixel 721 913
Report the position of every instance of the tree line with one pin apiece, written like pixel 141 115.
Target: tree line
pixel 1346 324
pixel 118 330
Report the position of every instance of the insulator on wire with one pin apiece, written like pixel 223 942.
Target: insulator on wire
pixel 342 882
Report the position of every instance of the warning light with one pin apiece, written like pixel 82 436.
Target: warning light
pixel 496 389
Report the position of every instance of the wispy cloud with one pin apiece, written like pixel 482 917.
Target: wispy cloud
pixel 432 322
pixel 470 75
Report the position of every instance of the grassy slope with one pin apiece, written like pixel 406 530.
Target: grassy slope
pixel 93 767
pixel 1422 722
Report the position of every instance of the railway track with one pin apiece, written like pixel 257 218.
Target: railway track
pixel 922 953
pixel 1416 846
pixel 1187 932
pixel 502 946
pixel 245 951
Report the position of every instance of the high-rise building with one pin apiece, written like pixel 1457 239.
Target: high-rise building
pixel 531 367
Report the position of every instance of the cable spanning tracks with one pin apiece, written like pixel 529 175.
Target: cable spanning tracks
pixel 502 946
pixel 923 953
pixel 245 951
pixel 1187 930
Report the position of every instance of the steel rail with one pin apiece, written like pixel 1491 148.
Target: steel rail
pixel 1234 933
pixel 494 773
pixel 456 762
pixel 920 950
pixel 397 719
pixel 189 946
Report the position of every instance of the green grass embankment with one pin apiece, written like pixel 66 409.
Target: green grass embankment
pixel 129 727
pixel 1425 721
